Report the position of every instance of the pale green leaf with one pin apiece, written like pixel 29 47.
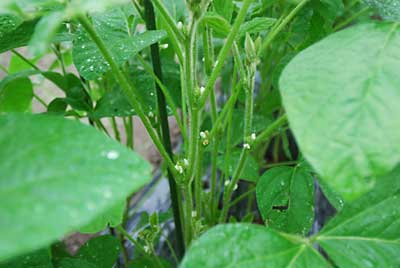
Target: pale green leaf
pixel 113 217
pixel 388 9
pixel 247 245
pixel 57 175
pixel 366 233
pixel 342 99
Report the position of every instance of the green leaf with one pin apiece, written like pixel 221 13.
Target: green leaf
pixel 49 160
pixel 38 259
pixel 177 9
pixel 8 23
pixel 285 198
pixel 16 95
pixel 45 32
pixel 101 251
pixel 251 168
pixel 388 9
pixel 218 23
pixel 224 8
pixel 367 232
pixel 341 96
pixel 74 263
pixel 18 37
pixel 256 25
pixel 112 28
pixel 148 262
pixel 246 245
pixel 113 217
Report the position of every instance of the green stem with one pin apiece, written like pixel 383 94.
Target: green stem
pixel 270 130
pixel 40 100
pixel 166 93
pixel 271 36
pixel 127 88
pixel 137 245
pixel 168 19
pixel 23 58
pixel 223 54
pixel 350 19
pixel 128 124
pixel 4 69
pixel 163 117
pixel 241 197
pixel 115 129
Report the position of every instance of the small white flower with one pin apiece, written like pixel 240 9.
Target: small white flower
pixel 179 168
pixel 150 114
pixel 179 25
pixel 194 214
pixel 235 187
pixel 146 249
pixel 202 89
pixel 185 162
pixel 164 46
pixel 226 183
pixel 253 136
pixel 203 135
pixel 246 146
pixel 203 59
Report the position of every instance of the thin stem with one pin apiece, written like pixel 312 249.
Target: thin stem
pixel 137 245
pixel 115 129
pixel 23 58
pixel 241 197
pixel 166 93
pixel 163 117
pixel 271 36
pixel 168 19
pixel 352 18
pixel 128 124
pixel 248 118
pixel 288 163
pixel 4 69
pixel 223 54
pixel 270 130
pixel 40 100
pixel 128 89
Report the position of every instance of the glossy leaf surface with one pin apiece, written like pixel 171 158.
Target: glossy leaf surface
pixel 246 245
pixel 49 160
pixel 341 96
pixel 366 233
pixel 285 198
pixel 113 30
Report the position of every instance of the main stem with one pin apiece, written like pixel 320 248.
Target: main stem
pixel 163 117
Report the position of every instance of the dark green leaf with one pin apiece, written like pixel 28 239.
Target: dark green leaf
pixel 219 24
pixel 224 8
pixel 148 262
pixel 74 263
pixel 112 28
pixel 49 160
pixel 246 245
pixel 342 97
pixel 18 37
pixel 256 25
pixel 250 171
pixel 285 198
pixel 100 251
pixel 37 259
